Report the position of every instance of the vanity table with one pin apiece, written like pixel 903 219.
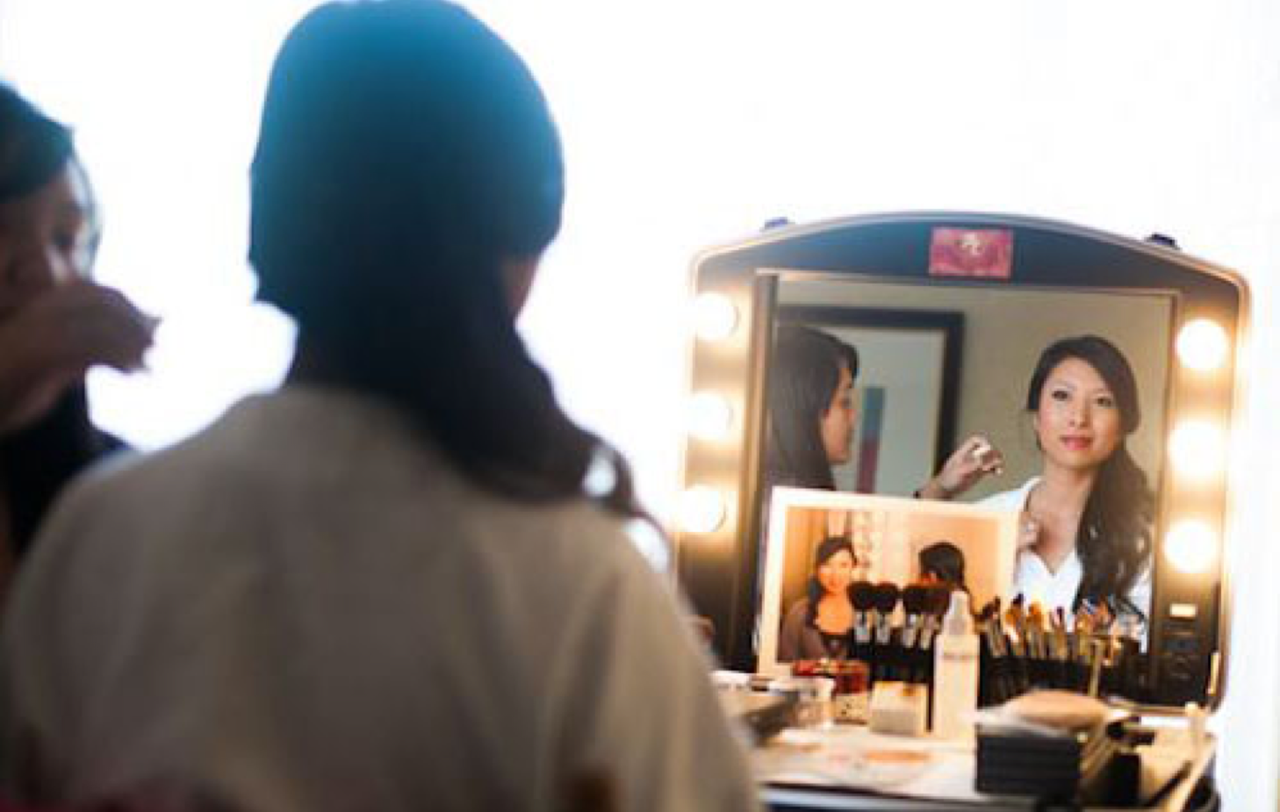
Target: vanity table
pixel 980 295
pixel 816 770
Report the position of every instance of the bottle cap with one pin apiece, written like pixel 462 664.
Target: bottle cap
pixel 959 620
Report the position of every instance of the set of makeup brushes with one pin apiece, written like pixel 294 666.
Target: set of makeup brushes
pixel 904 653
pixel 1027 647
pixel 1023 646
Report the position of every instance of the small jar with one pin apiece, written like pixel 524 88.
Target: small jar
pixel 731 681
pixel 851 698
pixel 812 698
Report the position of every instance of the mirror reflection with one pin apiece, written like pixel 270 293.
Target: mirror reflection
pixel 1050 404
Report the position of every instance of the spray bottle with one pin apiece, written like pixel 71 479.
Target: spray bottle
pixel 955 671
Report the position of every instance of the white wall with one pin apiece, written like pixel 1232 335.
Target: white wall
pixel 688 124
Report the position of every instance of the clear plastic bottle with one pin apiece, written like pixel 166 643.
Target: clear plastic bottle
pixel 955 671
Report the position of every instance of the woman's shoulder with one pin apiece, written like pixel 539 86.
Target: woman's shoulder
pixel 798 611
pixel 1012 499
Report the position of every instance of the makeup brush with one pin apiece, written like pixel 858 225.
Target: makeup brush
pixel 886 600
pixel 1036 630
pixel 939 601
pixel 915 600
pixel 863 596
pixel 1016 627
pixel 997 627
pixel 1061 651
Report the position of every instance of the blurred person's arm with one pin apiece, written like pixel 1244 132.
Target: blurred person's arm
pixel 48 345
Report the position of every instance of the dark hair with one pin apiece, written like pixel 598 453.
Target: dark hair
pixel 803 378
pixel 33 147
pixel 37 461
pixel 405 153
pixel 1114 540
pixel 945 561
pixel 827 548
pixel 33 150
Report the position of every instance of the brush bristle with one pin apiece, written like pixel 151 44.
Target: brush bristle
pixel 939 599
pixel 915 598
pixel 863 595
pixel 886 597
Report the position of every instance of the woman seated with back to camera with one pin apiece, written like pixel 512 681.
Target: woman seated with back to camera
pixel 383 586
pixel 54 322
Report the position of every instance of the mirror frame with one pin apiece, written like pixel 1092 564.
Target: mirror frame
pixel 719 567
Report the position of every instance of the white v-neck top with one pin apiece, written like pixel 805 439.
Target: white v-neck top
pixel 1032 576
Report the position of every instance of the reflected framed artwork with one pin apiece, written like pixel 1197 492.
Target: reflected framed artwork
pixel 909 364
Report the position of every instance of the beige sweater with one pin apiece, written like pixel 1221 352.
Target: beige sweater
pixel 305 608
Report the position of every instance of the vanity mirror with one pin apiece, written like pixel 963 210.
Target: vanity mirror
pixel 949 313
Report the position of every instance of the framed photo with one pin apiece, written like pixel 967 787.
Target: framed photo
pixel 908 375
pixel 892 539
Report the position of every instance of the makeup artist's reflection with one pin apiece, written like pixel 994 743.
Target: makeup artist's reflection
pixel 942 564
pixel 812 412
pixel 818 624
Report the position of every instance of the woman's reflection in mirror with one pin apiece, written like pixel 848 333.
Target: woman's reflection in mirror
pixel 818 624
pixel 1086 528
pixel 942 563
pixel 812 410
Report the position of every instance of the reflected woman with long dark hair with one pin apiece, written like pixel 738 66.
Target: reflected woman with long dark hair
pixel 811 407
pixel 1086 533
pixel 384 586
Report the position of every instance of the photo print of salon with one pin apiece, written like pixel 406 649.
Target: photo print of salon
pixel 470 405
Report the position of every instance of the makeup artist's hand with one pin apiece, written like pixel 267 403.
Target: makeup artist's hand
pixel 974 459
pixel 50 341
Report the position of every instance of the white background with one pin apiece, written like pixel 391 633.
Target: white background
pixel 688 124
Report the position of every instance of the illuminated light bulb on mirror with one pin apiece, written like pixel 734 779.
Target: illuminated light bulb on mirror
pixel 1202 345
pixel 701 509
pixel 714 317
pixel 1198 449
pixel 1191 546
pixel 710 416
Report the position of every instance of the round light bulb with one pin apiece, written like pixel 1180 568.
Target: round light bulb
pixel 1202 345
pixel 701 509
pixel 1191 546
pixel 1198 449
pixel 714 316
pixel 710 416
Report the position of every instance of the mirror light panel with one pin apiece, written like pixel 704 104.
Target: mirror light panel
pixel 701 509
pixel 710 417
pixel 1202 345
pixel 1191 546
pixel 1198 450
pixel 714 317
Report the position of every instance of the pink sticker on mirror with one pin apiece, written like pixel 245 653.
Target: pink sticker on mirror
pixel 984 253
